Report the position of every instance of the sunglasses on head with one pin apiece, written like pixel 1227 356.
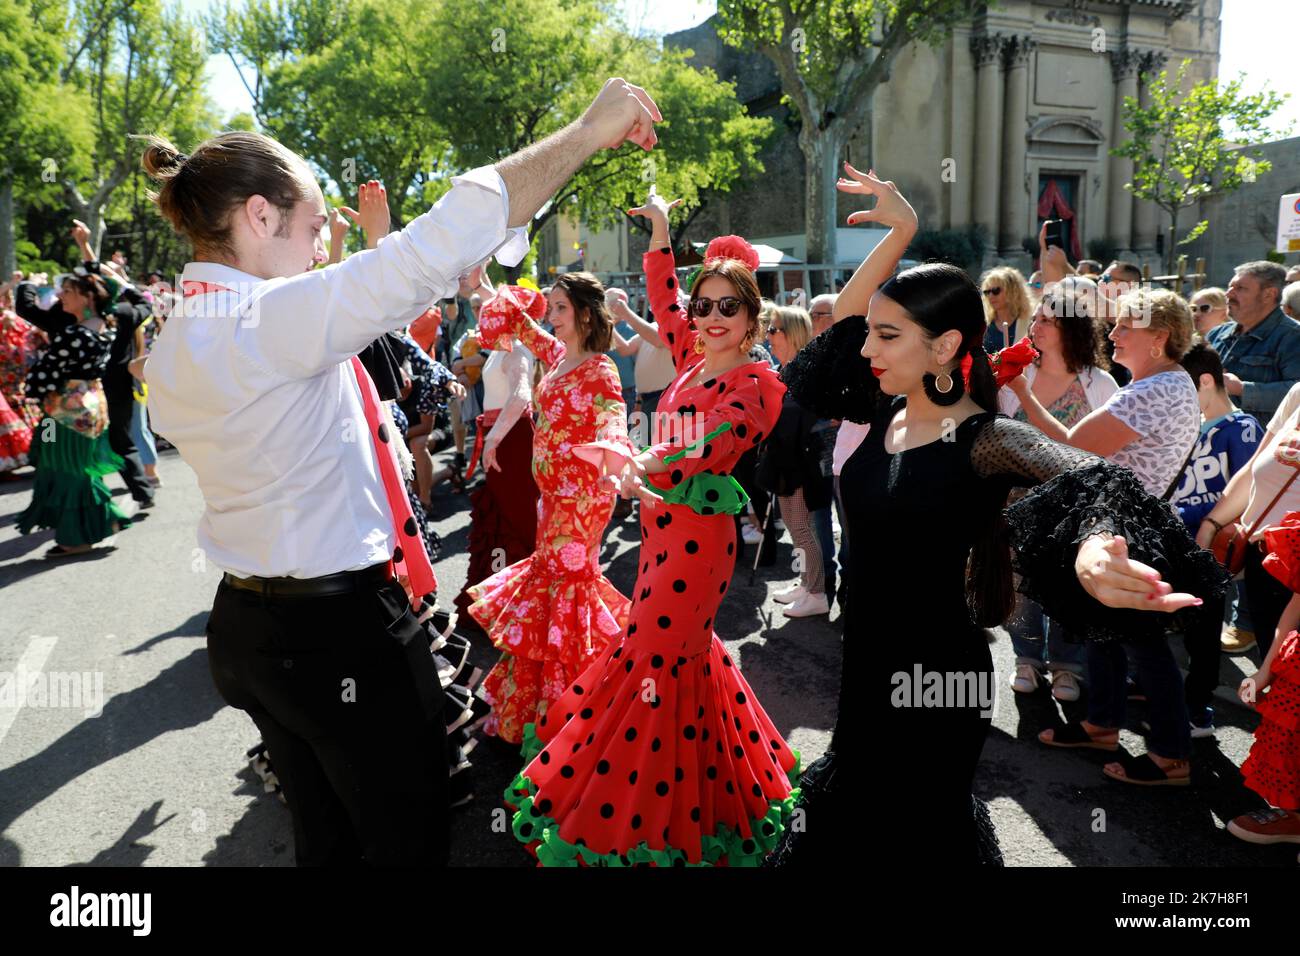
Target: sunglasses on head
pixel 995 290
pixel 702 308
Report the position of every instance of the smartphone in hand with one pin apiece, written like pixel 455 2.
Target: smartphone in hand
pixel 1056 233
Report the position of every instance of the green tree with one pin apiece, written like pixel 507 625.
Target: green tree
pixel 1181 150
pixel 42 119
pixel 140 68
pixel 411 95
pixel 831 55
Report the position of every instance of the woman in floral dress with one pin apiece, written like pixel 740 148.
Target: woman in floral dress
pixel 21 344
pixel 553 613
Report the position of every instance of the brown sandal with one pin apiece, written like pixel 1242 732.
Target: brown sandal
pixel 1145 772
pixel 1073 735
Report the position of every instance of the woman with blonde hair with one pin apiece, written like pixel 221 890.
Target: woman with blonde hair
pixel 1148 426
pixel 1209 308
pixel 1007 308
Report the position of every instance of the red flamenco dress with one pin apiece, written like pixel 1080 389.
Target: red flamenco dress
pixel 659 753
pixel 553 613
pixel 1273 767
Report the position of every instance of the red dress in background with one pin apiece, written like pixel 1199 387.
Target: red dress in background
pixel 1273 767
pixel 553 613
pixel 659 753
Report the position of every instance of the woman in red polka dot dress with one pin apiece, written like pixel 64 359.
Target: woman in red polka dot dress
pixel 1273 768
pixel 659 753
pixel 553 613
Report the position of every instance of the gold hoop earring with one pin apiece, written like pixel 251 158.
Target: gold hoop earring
pixel 939 387
pixel 1155 351
pixel 698 347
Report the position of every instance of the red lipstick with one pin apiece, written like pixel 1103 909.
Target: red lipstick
pixel 877 371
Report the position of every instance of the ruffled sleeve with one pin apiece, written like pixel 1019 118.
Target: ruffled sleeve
pixel 1075 495
pixel 830 378
pixel 510 314
pixel 662 289
pixel 750 408
pixel 611 449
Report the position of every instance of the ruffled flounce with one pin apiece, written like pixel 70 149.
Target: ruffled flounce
pixel 651 759
pixel 830 378
pixel 1048 524
pixel 70 495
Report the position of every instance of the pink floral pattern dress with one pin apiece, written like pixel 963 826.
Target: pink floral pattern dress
pixel 553 613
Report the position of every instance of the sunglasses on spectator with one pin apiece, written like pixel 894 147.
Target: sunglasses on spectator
pixel 1035 285
pixel 993 290
pixel 774 328
pixel 1203 307
pixel 702 308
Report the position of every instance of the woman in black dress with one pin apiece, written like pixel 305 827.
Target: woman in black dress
pixel 924 495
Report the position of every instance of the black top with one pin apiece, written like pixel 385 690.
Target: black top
pixel 74 352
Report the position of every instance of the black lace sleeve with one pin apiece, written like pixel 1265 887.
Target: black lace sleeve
pixel 830 378
pixel 1075 495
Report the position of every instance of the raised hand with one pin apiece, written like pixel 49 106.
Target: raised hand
pixel 622 113
pixel 655 208
pixel 1107 573
pixel 373 216
pixel 614 297
pixel 891 208
pixel 80 233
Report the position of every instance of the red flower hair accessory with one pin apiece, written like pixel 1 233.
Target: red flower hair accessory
pixel 501 316
pixel 732 247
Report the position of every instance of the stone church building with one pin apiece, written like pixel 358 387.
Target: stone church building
pixel 1006 122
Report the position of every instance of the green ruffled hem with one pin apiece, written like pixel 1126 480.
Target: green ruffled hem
pixel 79 508
pixel 553 850
pixel 704 493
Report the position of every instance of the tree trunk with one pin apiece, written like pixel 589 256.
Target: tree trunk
pixel 8 254
pixel 1171 255
pixel 821 152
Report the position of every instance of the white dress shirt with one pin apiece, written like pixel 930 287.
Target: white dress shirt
pixel 254 387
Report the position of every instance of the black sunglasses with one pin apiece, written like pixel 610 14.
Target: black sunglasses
pixel 993 291
pixel 1203 307
pixel 702 308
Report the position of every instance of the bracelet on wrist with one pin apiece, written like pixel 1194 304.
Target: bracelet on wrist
pixel 1217 527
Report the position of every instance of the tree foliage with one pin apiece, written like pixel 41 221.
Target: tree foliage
pixel 1181 148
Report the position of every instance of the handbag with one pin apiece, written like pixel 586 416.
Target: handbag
pixel 1231 541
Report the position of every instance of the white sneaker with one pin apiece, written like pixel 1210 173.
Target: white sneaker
pixel 1065 686
pixel 751 534
pixel 1025 679
pixel 790 595
pixel 808 606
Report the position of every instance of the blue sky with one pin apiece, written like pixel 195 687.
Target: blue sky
pixel 1265 56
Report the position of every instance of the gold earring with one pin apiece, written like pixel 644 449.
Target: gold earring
pixel 1155 351
pixel 940 388
pixel 698 347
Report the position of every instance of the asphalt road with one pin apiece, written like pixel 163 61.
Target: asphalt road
pixel 159 778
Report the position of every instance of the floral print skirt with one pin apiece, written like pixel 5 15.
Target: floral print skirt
pixel 551 614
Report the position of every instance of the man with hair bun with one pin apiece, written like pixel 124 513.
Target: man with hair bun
pixel 258 386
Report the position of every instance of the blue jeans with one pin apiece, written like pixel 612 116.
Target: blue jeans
pixel 1027 627
pixel 141 435
pixel 1160 680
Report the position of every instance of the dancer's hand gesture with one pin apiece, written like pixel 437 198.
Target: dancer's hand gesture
pixel 373 217
pixel 655 208
pixel 1107 573
pixel 622 113
pixel 891 208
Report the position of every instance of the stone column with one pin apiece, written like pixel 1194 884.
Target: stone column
pixel 1146 215
pixel 1119 219
pixel 988 134
pixel 1015 191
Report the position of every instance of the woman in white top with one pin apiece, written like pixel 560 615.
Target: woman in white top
pixel 1149 427
pixel 1247 500
pixel 503 516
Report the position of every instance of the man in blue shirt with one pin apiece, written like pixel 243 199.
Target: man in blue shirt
pixel 1260 346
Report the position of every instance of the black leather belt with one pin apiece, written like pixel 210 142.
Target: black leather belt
pixel 345 582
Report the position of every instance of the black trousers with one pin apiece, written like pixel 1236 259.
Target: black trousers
pixel 344 691
pixel 1268 598
pixel 120 407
